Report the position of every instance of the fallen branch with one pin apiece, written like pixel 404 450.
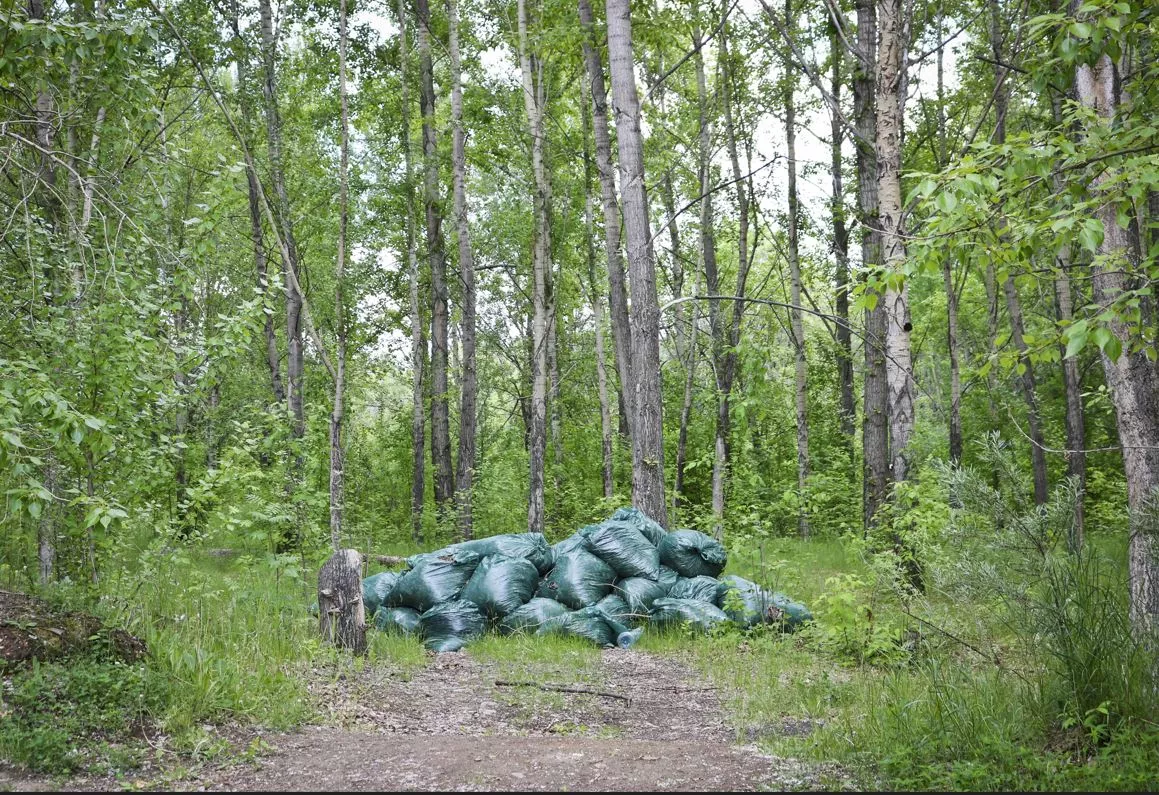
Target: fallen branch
pixel 561 689
pixel 390 560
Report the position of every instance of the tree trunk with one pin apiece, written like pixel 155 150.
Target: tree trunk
pixel 841 254
pixel 1076 457
pixel 1013 304
pixel 294 363
pixel 337 456
pixel 647 430
pixel 46 524
pixel 440 417
pixel 875 417
pixel 948 275
pixel 617 284
pixel 712 285
pixel 1132 379
pixel 540 264
pixel 741 186
pixel 418 342
pixel 1029 390
pixel 608 468
pixel 890 100
pixel 341 614
pixel 796 321
pixel 465 474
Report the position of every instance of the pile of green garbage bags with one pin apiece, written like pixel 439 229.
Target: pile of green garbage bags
pixel 604 583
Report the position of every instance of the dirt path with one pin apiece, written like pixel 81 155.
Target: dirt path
pixel 464 724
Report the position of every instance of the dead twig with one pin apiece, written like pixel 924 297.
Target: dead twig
pixel 561 689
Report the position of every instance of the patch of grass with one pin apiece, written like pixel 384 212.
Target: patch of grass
pixel 534 657
pixel 82 713
pixel 405 653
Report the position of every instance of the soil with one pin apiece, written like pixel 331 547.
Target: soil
pixel 635 721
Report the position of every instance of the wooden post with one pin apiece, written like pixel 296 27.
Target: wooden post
pixel 341 616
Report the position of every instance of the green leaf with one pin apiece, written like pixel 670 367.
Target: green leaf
pixel 1091 235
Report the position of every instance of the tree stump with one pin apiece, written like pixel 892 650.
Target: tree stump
pixel 341 616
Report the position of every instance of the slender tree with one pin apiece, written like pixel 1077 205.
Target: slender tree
pixel 617 283
pixel 436 254
pixel 465 473
pixel 647 429
pixel 533 101
pixel 418 338
pixel 795 315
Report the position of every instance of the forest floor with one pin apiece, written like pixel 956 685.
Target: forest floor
pixel 611 720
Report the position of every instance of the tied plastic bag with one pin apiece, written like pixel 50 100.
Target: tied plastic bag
pixel 692 554
pixel 698 589
pixel 433 580
pixel 758 606
pixel 640 521
pixel 397 620
pixel 616 608
pixel 532 616
pixel 678 612
pixel 532 547
pixel 591 623
pixel 449 626
pixel 376 588
pixel 573 543
pixel 579 579
pixel 501 584
pixel 639 594
pixel 625 549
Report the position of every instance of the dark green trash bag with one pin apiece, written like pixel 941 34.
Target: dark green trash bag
pixel 529 546
pixel 433 580
pixel 668 578
pixel 397 620
pixel 376 588
pixel 700 589
pixel 641 522
pixel 639 594
pixel 532 615
pixel 625 549
pixel 449 626
pixel 677 612
pixel 759 606
pixel 692 553
pixel 574 542
pixel 616 608
pixel 591 623
pixel 579 579
pixel 501 584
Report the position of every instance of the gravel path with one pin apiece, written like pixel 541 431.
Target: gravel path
pixel 624 721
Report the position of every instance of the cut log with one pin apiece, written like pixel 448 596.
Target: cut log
pixel 390 560
pixel 341 616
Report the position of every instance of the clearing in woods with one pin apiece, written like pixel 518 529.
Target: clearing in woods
pixel 536 719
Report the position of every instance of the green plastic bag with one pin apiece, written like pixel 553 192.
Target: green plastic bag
pixel 579 579
pixel 700 589
pixel 501 584
pixel 376 588
pixel 449 626
pixel 693 554
pixel 616 608
pixel 529 546
pixel 532 615
pixel 677 612
pixel 397 620
pixel 639 594
pixel 433 580
pixel 640 521
pixel 591 623
pixel 759 606
pixel 625 549
pixel 668 578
